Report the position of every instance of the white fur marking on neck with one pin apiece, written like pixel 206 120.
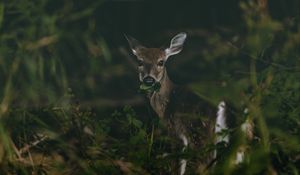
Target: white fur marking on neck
pixel 184 140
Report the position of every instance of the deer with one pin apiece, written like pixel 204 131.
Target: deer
pixel 190 120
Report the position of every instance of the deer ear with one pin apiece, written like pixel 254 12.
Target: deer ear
pixel 133 43
pixel 176 44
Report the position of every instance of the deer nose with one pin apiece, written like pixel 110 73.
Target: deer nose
pixel 149 81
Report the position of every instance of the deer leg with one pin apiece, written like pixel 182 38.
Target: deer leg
pixel 247 129
pixel 220 126
pixel 239 156
pixel 183 162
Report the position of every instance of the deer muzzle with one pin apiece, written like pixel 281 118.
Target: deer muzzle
pixel 149 81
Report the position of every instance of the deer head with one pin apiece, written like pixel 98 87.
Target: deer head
pixel 151 61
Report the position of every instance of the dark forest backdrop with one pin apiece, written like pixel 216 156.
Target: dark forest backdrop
pixel 69 101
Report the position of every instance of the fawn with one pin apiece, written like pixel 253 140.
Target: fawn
pixel 189 119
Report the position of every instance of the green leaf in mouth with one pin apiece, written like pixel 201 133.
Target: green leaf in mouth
pixel 146 89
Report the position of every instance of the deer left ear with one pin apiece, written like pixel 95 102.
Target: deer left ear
pixel 134 44
pixel 176 44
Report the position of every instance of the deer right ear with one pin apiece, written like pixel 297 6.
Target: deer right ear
pixel 134 44
pixel 176 44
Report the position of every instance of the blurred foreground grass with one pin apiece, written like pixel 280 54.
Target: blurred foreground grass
pixel 49 52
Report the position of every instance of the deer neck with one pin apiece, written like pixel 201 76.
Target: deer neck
pixel 160 99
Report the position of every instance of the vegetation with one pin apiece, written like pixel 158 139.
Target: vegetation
pixel 54 62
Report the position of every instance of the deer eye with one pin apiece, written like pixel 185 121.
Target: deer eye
pixel 160 63
pixel 140 63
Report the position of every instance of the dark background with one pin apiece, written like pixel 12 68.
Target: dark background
pixel 152 20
